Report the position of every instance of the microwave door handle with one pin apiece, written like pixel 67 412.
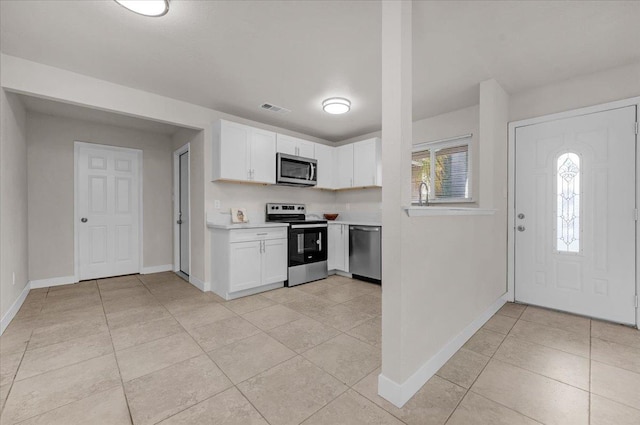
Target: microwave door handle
pixel 320 241
pixel 313 171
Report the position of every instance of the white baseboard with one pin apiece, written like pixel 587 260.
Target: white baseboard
pixel 203 286
pixel 157 269
pixel 232 296
pixel 15 307
pixel 508 297
pixel 399 394
pixel 54 281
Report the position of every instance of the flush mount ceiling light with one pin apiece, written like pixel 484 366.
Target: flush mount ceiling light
pixel 154 8
pixel 336 105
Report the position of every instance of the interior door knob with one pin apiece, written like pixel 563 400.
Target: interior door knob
pixel 84 219
pixel 520 216
pixel 521 228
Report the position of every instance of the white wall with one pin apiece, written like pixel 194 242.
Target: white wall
pixel 453 268
pixel 13 202
pixel 456 265
pixel 50 142
pixel 31 78
pixel 587 90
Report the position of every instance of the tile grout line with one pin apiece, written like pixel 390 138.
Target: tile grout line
pixel 126 399
pixel 340 332
pixel 533 371
pixel 352 387
pixel 236 315
pixel 184 360
pixel 65 404
pixel 298 355
pixel 13 378
pixel 233 385
pixel 477 377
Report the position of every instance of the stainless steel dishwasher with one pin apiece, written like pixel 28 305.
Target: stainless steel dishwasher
pixel 365 252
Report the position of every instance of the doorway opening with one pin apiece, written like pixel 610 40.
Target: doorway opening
pixel 182 212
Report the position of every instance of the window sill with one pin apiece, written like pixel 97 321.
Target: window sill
pixel 415 211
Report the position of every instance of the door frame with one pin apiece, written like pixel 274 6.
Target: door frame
pixel 511 205
pixel 176 206
pixel 76 216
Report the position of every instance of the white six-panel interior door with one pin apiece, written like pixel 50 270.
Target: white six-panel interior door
pixel 575 216
pixel 108 219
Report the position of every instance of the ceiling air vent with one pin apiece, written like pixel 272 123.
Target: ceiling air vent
pixel 274 108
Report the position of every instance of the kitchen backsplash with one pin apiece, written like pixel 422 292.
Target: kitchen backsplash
pixel 358 204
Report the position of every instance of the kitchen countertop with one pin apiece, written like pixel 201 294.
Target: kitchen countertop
pixel 356 222
pixel 231 226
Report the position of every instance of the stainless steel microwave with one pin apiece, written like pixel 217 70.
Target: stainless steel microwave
pixel 295 170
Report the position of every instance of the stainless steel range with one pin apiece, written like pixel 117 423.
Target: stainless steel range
pixel 307 242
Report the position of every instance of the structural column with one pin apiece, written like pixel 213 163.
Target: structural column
pixel 396 191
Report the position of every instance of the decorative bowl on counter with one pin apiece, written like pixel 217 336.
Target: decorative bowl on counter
pixel 331 216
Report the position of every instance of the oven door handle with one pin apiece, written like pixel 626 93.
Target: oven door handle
pixel 308 226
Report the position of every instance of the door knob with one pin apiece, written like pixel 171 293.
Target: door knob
pixel 521 228
pixel 84 219
pixel 520 216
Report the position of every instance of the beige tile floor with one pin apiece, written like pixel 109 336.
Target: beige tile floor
pixel 153 349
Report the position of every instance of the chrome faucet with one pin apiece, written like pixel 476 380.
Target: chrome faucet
pixel 426 201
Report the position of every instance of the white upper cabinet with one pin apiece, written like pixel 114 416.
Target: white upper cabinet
pixel 263 156
pixel 367 163
pixel 248 154
pixel 243 153
pixel 325 155
pixel 344 164
pixel 294 146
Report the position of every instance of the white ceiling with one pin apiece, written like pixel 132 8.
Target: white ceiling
pixel 235 55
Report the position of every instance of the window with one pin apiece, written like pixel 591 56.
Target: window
pixel 568 203
pixel 449 179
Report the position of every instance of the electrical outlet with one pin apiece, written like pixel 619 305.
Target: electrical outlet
pixel 216 204
pixel 13 278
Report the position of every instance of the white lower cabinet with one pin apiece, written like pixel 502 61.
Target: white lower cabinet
pixel 274 261
pixel 338 254
pixel 246 265
pixel 247 261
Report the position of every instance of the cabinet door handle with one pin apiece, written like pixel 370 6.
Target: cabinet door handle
pixel 261 234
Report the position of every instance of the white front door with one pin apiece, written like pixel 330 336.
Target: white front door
pixel 183 212
pixel 107 205
pixel 575 215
